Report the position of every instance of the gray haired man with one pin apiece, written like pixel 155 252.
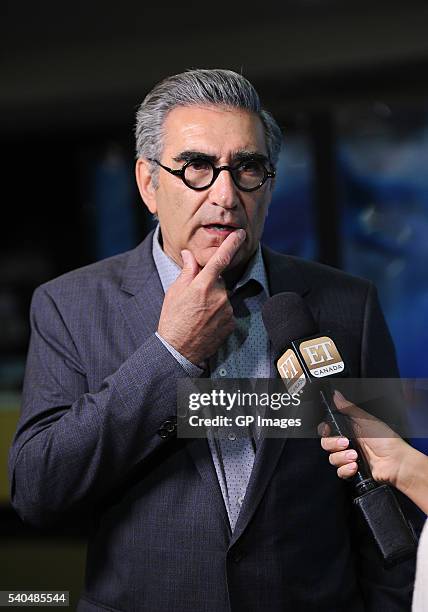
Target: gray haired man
pixel 195 525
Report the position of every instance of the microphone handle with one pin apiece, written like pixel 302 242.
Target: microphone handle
pixel 363 480
pixel 381 512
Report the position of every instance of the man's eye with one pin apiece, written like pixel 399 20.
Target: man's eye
pixel 199 165
pixel 250 167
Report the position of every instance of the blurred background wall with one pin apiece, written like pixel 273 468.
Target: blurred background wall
pixel 347 82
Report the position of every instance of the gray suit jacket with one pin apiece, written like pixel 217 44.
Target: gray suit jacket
pixel 92 441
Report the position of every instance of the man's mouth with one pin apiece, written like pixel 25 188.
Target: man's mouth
pixel 219 229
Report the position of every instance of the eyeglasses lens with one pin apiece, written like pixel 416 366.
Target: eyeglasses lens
pixel 248 175
pixel 199 174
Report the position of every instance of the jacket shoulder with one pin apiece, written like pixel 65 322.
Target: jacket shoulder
pixel 128 269
pixel 318 274
pixel 108 270
pixel 311 277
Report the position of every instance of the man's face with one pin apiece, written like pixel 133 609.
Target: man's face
pixel 187 217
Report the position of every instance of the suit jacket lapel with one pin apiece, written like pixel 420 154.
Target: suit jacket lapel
pixel 201 455
pixel 143 303
pixel 283 274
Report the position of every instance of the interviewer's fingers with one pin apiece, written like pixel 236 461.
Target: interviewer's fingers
pixel 340 458
pixel 335 444
pixel 348 470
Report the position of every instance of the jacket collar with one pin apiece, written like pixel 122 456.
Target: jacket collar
pixel 283 274
pixel 140 268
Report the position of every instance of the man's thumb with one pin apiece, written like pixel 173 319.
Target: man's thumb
pixel 190 265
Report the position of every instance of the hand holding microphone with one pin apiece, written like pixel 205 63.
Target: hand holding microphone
pixel 390 458
pixel 306 358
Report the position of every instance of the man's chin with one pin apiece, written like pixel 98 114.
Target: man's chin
pixel 234 270
pixel 206 254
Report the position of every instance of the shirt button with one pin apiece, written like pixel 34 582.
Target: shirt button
pixel 223 372
pixel 232 436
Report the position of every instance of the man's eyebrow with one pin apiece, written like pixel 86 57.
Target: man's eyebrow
pixel 240 155
pixel 244 155
pixel 186 156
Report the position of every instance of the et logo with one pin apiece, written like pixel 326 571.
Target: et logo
pixel 290 369
pixel 321 357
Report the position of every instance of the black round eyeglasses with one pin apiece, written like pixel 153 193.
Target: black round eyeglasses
pixel 200 174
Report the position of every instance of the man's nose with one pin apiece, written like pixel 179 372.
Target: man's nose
pixel 224 191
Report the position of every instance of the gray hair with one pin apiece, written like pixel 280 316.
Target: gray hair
pixel 199 88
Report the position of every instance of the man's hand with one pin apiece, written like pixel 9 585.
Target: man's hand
pixel 196 315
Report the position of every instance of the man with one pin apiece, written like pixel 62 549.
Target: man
pixel 194 525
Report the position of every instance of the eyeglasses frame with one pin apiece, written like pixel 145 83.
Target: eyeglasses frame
pixel 216 171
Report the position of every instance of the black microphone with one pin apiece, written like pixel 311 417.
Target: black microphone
pixel 309 359
pixel 305 357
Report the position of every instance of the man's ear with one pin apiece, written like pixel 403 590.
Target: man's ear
pixel 145 184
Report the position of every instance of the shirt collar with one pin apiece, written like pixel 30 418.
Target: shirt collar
pixel 169 271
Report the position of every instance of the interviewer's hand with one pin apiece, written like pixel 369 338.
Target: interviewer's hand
pixel 381 446
pixel 196 315
pixel 389 457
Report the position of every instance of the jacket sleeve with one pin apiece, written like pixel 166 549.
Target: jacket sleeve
pixel 388 589
pixel 72 446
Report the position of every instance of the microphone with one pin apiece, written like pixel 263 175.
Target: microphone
pixel 307 358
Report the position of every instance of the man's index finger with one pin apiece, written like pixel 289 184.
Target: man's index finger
pixel 222 257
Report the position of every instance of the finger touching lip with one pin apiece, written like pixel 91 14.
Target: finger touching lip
pixel 218 229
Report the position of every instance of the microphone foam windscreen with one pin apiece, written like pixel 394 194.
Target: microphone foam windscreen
pixel 286 318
